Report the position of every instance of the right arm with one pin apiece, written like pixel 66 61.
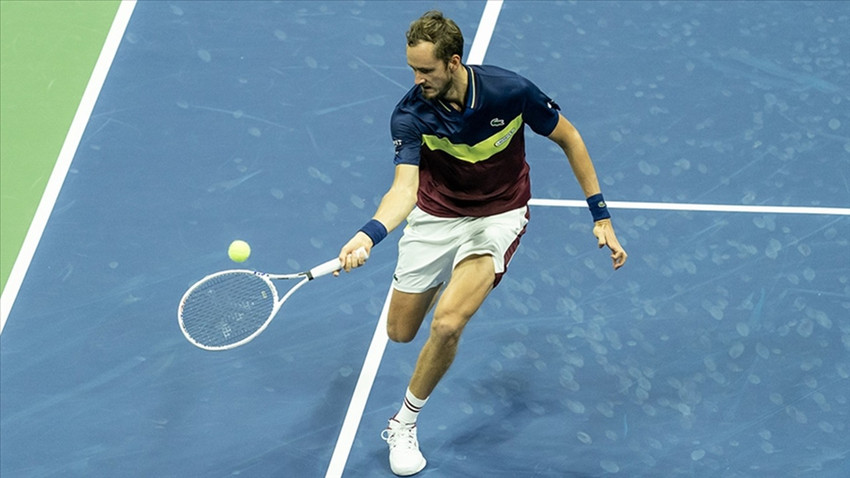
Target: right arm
pixel 392 211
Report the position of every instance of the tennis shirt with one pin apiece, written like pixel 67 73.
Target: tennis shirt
pixel 472 162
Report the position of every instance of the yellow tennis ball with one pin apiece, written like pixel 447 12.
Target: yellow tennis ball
pixel 239 251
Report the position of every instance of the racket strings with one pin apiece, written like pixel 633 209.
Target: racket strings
pixel 228 308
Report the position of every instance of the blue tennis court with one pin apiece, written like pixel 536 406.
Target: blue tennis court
pixel 722 349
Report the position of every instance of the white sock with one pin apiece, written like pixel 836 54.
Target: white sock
pixel 410 408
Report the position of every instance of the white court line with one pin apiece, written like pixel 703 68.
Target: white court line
pixel 662 206
pixel 361 394
pixel 485 32
pixel 379 340
pixel 63 162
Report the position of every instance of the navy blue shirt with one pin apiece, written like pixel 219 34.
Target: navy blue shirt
pixel 472 162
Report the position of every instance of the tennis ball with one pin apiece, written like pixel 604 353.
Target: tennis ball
pixel 239 251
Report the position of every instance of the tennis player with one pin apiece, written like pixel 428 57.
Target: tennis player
pixel 461 183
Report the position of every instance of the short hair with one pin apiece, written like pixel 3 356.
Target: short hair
pixel 441 31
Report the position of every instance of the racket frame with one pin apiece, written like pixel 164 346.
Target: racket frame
pixel 325 268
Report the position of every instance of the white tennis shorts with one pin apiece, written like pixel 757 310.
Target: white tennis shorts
pixel 432 246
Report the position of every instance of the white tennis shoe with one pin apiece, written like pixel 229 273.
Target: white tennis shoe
pixel 405 457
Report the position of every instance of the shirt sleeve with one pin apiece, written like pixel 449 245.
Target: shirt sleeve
pixel 407 139
pixel 540 113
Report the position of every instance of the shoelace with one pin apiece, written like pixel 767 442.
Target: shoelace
pixel 395 437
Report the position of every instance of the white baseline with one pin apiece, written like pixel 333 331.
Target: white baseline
pixel 662 206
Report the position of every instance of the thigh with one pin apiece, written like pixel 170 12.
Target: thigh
pixel 471 282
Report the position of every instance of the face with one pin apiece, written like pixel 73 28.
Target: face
pixel 432 75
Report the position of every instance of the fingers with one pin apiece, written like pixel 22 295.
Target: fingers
pixel 355 259
pixel 604 232
pixel 353 255
pixel 349 261
pixel 618 254
pixel 619 258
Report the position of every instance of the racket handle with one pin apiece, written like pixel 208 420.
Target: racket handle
pixel 332 265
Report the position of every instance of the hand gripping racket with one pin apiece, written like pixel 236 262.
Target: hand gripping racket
pixel 230 308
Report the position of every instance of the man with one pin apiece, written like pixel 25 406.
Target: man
pixel 461 183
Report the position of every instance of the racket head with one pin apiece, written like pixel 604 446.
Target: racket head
pixel 227 309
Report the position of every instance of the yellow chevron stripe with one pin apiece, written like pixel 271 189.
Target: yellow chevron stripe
pixel 478 152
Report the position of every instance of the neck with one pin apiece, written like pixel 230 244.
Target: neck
pixel 456 96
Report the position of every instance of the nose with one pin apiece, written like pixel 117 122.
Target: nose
pixel 418 79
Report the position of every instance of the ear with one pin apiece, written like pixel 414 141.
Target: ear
pixel 455 63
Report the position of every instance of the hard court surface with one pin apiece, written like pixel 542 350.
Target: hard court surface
pixel 722 349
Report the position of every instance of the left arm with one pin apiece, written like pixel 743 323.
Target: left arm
pixel 569 139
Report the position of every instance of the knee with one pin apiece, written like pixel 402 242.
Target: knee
pixel 447 329
pixel 398 333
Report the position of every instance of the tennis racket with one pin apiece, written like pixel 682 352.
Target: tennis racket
pixel 231 308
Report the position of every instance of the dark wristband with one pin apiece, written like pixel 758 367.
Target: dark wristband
pixel 598 208
pixel 375 230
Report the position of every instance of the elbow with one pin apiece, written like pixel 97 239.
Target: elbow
pixel 566 135
pixel 571 138
pixel 401 196
pixel 408 198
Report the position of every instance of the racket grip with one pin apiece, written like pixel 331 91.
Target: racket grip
pixel 331 266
